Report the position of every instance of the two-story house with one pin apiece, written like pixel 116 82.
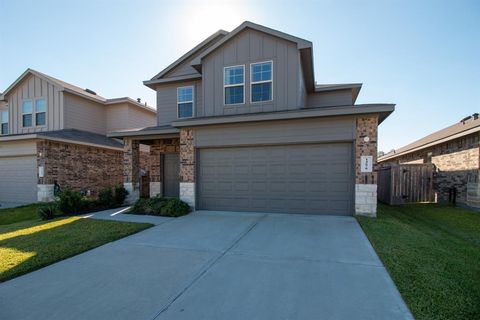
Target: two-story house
pixel 52 131
pixel 243 126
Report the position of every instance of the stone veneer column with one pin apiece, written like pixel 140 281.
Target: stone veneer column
pixel 131 169
pixel 44 187
pixel 187 167
pixel 366 183
pixel 155 169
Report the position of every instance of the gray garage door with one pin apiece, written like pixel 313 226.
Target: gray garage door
pixel 18 184
pixel 312 179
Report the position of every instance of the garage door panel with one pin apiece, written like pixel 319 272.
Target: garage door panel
pixel 315 179
pixel 18 182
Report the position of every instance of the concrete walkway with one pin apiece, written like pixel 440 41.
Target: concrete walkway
pixel 216 265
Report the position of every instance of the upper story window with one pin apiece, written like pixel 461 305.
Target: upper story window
pixel 27 110
pixel 4 122
pixel 234 85
pixel 40 112
pixel 261 81
pixel 185 102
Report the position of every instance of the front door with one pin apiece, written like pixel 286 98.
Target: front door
pixel 171 171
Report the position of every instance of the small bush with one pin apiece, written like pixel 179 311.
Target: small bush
pixel 47 211
pixel 168 207
pixel 174 208
pixel 105 198
pixel 120 195
pixel 89 205
pixel 69 201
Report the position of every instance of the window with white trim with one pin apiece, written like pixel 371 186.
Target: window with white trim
pixel 261 83
pixel 27 111
pixel 4 122
pixel 234 85
pixel 40 112
pixel 185 102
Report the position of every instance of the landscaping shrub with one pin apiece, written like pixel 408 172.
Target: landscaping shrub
pixel 47 211
pixel 120 195
pixel 105 198
pixel 168 207
pixel 69 201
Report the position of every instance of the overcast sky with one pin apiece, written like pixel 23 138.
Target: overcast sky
pixel 424 56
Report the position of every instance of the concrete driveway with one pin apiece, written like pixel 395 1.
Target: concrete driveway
pixel 216 265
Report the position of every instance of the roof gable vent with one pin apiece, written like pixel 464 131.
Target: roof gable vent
pixel 91 91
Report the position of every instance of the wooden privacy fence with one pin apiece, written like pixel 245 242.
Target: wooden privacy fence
pixel 406 183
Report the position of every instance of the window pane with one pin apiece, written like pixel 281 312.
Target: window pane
pixel 233 75
pixel 234 95
pixel 40 105
pixel 27 120
pixel 4 128
pixel 185 110
pixel 40 119
pixel 27 107
pixel 262 92
pixel 262 71
pixel 4 118
pixel 184 94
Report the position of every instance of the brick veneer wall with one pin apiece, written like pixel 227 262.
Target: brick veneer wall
pixel 457 162
pixel 131 161
pixel 366 182
pixel 187 156
pixel 366 127
pixel 79 167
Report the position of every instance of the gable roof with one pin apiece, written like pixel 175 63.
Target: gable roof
pixel 70 88
pixel 303 45
pixel 459 129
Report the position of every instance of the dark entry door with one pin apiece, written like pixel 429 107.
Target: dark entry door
pixel 171 172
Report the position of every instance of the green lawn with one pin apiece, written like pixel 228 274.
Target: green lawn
pixel 432 253
pixel 32 244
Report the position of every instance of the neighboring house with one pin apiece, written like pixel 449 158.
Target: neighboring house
pixel 54 131
pixel 455 152
pixel 242 126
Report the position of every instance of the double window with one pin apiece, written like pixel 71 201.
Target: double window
pixel 261 83
pixel 28 111
pixel 185 102
pixel 4 122
pixel 234 85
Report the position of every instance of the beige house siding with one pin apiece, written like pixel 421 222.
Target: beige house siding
pixel 116 117
pixel 30 88
pixel 17 148
pixel 139 118
pixel 84 114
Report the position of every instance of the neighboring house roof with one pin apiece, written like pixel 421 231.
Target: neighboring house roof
pixel 69 135
pixel 72 89
pixel 155 130
pixel 460 129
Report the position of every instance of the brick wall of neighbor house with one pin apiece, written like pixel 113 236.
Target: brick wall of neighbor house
pixel 457 165
pixel 366 183
pixel 82 168
pixel 187 167
pixel 156 149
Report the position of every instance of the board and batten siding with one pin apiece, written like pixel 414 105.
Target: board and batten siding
pixel 336 129
pixel 84 114
pixel 33 87
pixel 167 101
pixel 251 46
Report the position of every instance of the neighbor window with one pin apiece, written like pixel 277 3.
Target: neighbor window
pixel 429 157
pixel 261 81
pixel 4 122
pixel 27 110
pixel 40 112
pixel 234 85
pixel 185 102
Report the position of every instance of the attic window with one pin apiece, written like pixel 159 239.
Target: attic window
pixel 4 122
pixel 234 85
pixel 27 110
pixel 261 81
